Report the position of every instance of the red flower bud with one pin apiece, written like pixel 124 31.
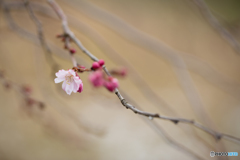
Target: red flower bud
pixel 95 65
pixel 72 51
pixel 101 62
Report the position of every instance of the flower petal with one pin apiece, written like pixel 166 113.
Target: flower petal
pixel 58 80
pixel 69 88
pixel 64 85
pixel 72 72
pixel 61 73
pixel 75 87
pixel 77 80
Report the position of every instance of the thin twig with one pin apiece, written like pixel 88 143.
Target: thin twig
pixel 41 35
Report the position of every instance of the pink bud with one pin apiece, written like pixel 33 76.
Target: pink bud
pixel 80 89
pixel 115 82
pixel 72 51
pixel 109 86
pixel 27 90
pixel 96 78
pixel 101 62
pixel 65 47
pixel 95 65
pixel 110 78
pixel 123 72
pixel 112 85
pixel 30 101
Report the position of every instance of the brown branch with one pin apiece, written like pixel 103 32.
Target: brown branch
pixel 68 32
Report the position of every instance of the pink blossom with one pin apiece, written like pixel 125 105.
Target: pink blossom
pixel 96 78
pixel 112 84
pixel 71 81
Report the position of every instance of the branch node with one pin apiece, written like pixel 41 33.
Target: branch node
pixel 218 136
pixel 175 121
pixel 124 102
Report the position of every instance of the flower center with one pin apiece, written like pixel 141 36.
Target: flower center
pixel 69 79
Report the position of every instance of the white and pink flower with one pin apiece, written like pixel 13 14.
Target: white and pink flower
pixel 71 81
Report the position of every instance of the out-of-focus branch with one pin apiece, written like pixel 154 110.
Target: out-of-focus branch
pixel 60 106
pixel 23 90
pixel 41 35
pixel 217 25
pixel 68 32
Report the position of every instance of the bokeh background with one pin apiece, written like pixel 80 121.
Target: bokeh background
pixel 179 63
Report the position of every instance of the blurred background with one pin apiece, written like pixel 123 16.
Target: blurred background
pixel 182 59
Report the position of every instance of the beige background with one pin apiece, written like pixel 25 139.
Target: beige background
pixel 93 124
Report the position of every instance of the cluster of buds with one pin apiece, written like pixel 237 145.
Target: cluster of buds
pixel 98 79
pixel 31 102
pixel 98 64
pixel 27 90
